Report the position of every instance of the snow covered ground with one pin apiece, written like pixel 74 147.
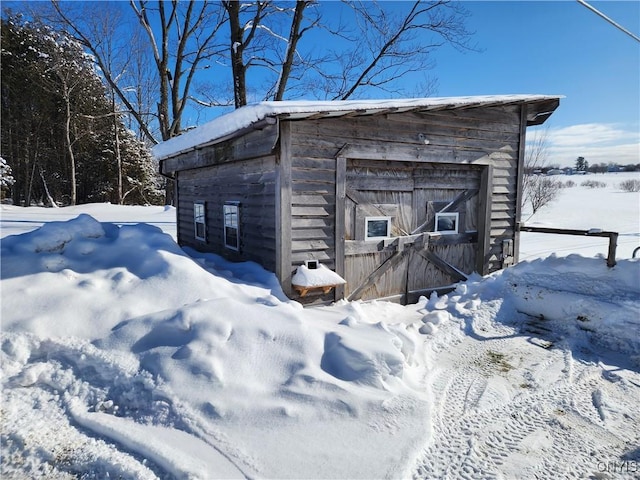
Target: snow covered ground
pixel 124 356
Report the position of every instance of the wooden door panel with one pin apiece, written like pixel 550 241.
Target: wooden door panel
pixel 411 194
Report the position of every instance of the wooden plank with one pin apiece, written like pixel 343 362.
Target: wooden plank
pixel 380 183
pixel 404 152
pixel 319 222
pixel 413 153
pixel 520 182
pixel 313 162
pixel 484 219
pixel 254 144
pixel 390 262
pixel 283 210
pixel 324 256
pixel 314 244
pixel 504 190
pixel 361 247
pixel 253 165
pixel 313 188
pixel 177 199
pixel 313 175
pixel 449 269
pixel 313 211
pixel 498 234
pixel 382 130
pixel 506 115
pixel 307 199
pixel 311 233
pixel 340 222
pixel 442 183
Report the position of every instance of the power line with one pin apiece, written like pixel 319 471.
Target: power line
pixel 617 25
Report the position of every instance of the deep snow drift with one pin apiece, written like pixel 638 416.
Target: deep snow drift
pixel 124 356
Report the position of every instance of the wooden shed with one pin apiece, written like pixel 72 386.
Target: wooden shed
pixel 398 197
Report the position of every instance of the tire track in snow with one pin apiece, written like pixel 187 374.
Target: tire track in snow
pixel 549 426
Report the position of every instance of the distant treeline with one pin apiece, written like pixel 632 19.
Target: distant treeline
pixel 596 168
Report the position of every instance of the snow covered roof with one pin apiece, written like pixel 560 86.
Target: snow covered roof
pixel 243 118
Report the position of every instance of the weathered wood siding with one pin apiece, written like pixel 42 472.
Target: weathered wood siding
pixel 410 193
pixel 488 136
pixel 413 160
pixel 250 182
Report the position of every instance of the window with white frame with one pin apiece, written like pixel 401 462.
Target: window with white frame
pixel 200 221
pixel 447 222
pixel 376 228
pixel 231 214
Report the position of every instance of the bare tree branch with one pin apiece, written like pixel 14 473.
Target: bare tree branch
pixel 86 42
pixel 294 37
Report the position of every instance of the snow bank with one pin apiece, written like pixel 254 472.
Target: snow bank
pixel 139 340
pixel 81 277
pixel 584 292
pixel 123 355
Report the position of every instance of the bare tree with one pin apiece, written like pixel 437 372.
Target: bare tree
pixel 542 191
pixel 63 77
pixel 536 157
pixel 295 35
pixel 181 37
pixel 366 46
pixel 393 45
pixel 377 45
pixel 267 50
pixel 240 39
pixel 537 189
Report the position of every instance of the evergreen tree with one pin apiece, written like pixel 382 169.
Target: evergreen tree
pixel 59 126
pixel 6 179
pixel 581 164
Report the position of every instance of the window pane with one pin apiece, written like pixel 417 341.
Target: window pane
pixel 377 228
pixel 199 230
pixel 197 211
pixel 447 222
pixel 231 219
pixel 200 220
pixel 231 216
pixel 231 237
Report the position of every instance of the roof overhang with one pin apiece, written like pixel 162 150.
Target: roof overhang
pixel 238 122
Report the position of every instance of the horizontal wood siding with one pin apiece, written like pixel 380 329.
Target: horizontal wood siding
pixel 250 182
pixel 253 144
pixel 411 155
pixel 487 135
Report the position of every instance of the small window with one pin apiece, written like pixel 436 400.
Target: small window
pixel 447 222
pixel 377 228
pixel 200 221
pixel 231 213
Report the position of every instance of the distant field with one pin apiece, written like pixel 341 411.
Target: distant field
pixel 582 207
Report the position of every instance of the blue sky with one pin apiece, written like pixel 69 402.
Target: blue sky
pixel 558 48
pixel 549 47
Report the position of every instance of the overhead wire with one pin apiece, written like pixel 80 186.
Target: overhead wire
pixel 612 22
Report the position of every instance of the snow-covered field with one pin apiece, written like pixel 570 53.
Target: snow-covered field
pixel 124 356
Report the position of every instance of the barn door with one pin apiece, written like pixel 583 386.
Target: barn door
pixel 409 227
